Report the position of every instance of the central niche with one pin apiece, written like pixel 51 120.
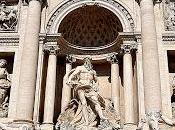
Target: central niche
pixel 90 26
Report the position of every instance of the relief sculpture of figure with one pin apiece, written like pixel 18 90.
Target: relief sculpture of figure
pixel 8 17
pixel 5 84
pixel 88 110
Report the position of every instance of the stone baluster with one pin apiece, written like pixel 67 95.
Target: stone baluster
pixel 66 91
pixel 29 61
pixel 150 59
pixel 50 88
pixel 115 90
pixel 128 86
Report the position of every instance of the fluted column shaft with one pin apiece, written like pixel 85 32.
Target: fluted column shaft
pixel 50 87
pixel 115 90
pixel 150 58
pixel 29 62
pixel 128 87
pixel 66 91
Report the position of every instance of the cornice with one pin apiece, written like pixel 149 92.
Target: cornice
pixel 10 40
pixel 168 37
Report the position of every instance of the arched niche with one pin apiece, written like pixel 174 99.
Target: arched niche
pixel 90 26
pixel 63 9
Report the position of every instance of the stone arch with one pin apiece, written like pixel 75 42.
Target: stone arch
pixel 63 9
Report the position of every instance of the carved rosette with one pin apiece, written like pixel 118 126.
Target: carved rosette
pixel 113 58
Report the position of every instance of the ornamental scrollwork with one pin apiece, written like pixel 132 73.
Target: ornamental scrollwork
pixel 8 17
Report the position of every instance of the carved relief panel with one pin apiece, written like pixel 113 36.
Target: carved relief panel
pixel 8 17
pixel 6 70
pixel 169 15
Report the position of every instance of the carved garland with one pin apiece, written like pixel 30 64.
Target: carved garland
pixel 90 2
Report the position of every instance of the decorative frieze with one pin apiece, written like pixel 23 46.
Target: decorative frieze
pixel 8 17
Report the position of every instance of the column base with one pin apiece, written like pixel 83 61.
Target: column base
pixel 21 125
pixel 129 126
pixel 47 126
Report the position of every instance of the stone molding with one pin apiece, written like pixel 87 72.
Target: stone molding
pixel 11 40
pixel 168 37
pixel 67 6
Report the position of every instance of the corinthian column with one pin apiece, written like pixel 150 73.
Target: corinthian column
pixel 29 62
pixel 50 88
pixel 115 91
pixel 150 58
pixel 128 86
pixel 66 91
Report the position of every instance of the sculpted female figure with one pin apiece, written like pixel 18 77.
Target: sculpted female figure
pixel 5 84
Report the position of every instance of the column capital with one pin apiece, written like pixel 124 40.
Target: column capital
pixel 51 49
pixel 34 0
pixel 70 58
pixel 154 1
pixel 113 58
pixel 26 2
pixel 127 48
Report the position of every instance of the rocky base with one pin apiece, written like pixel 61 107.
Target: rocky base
pixel 104 125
